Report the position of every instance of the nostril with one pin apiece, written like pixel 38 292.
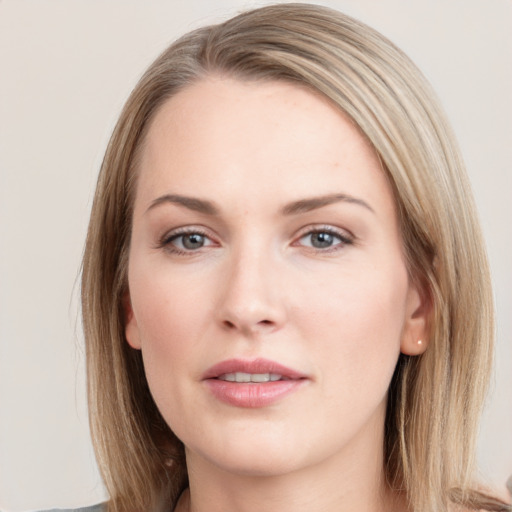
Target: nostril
pixel 228 324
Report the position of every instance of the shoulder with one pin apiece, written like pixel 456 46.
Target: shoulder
pixel 100 507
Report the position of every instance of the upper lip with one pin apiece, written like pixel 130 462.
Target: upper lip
pixel 257 366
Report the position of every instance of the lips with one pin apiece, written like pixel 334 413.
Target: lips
pixel 252 383
pixel 253 367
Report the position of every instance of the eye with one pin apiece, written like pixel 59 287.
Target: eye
pixel 190 241
pixel 185 241
pixel 324 239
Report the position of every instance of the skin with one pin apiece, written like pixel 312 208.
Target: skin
pixel 258 287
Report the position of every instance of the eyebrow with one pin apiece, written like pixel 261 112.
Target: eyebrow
pixel 313 203
pixel 192 203
pixel 296 207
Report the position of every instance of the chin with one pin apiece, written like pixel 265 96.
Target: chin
pixel 266 463
pixel 250 453
pixel 267 452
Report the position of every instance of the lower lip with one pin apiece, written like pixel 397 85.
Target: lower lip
pixel 252 395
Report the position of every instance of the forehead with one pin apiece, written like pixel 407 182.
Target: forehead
pixel 224 137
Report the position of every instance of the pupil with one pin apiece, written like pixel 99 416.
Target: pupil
pixel 321 240
pixel 193 241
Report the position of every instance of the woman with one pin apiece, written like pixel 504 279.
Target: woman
pixel 284 287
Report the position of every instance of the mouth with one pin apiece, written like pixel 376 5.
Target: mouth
pixel 256 378
pixel 252 383
pixel 255 371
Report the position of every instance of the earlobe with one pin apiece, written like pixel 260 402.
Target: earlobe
pixel 131 330
pixel 413 347
pixel 415 332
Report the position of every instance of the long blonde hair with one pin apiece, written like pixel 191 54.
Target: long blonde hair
pixel 434 399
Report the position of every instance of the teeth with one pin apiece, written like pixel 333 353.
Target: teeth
pixel 250 377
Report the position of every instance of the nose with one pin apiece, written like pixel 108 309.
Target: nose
pixel 252 297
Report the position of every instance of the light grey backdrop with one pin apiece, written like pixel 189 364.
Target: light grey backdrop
pixel 66 68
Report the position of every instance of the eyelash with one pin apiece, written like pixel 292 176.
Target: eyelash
pixel 343 237
pixel 166 241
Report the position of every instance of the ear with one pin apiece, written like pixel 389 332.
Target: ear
pixel 415 332
pixel 131 329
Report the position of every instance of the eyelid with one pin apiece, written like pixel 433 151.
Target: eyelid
pixel 329 228
pixel 165 241
pixel 346 237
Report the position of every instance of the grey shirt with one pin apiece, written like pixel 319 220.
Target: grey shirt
pixel 100 507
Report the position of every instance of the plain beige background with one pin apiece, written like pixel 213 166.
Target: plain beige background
pixel 66 67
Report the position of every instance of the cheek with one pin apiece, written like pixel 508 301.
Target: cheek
pixel 169 314
pixel 169 320
pixel 358 320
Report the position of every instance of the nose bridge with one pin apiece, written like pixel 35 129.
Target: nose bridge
pixel 251 299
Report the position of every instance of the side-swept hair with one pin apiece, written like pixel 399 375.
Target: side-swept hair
pixel 435 399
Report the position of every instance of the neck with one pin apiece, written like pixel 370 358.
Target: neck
pixel 349 481
pixel 286 495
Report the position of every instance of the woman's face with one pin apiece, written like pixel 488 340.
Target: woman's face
pixel 266 248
